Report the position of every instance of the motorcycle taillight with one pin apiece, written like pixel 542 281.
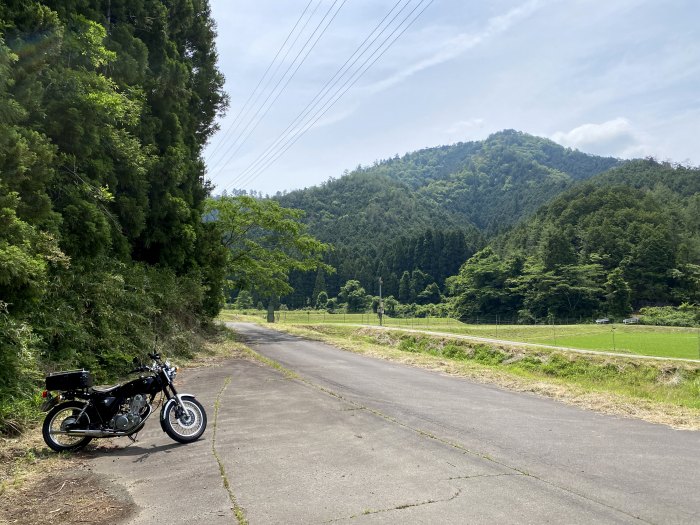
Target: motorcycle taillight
pixel 45 394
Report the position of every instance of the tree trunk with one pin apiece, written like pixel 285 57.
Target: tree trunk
pixel 272 303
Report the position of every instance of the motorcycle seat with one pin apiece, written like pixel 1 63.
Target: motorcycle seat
pixel 104 389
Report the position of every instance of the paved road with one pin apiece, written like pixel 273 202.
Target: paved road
pixel 496 456
pixel 360 440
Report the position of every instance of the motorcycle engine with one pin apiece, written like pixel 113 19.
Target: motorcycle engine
pixel 129 416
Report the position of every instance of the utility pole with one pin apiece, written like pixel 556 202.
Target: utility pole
pixel 380 310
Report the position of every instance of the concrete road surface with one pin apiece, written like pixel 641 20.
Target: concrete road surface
pixel 361 440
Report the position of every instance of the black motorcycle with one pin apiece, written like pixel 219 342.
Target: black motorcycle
pixel 81 412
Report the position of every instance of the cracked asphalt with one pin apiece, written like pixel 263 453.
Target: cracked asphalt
pixel 361 440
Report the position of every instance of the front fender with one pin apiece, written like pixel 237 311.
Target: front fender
pixel 167 404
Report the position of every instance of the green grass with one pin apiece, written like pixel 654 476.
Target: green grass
pixel 632 339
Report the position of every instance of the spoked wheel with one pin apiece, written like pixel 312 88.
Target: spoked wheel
pixel 185 426
pixel 61 418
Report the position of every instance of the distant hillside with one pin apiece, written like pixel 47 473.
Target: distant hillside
pixel 496 182
pixel 616 242
pixel 491 184
pixel 476 188
pixel 367 209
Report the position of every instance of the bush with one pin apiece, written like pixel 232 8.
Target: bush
pixel 19 376
pixel 684 315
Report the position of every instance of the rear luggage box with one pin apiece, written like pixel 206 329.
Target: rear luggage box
pixel 72 380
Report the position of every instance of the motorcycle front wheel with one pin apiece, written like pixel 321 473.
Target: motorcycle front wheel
pixel 185 426
pixel 61 418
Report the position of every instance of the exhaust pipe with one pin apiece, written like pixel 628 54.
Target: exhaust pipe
pixel 92 433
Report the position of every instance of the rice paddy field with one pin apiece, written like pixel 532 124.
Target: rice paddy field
pixel 657 341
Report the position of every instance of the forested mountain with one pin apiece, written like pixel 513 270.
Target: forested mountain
pixel 366 209
pixel 621 240
pixel 104 110
pixel 496 182
pixel 392 217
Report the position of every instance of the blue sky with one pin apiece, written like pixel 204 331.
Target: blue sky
pixel 616 77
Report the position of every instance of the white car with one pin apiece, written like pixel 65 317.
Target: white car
pixel 603 320
pixel 631 320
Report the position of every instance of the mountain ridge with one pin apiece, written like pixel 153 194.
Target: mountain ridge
pixel 382 219
pixel 489 184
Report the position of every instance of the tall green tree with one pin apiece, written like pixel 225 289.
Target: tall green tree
pixel 264 243
pixel 405 287
pixel 483 286
pixel 617 294
pixel 354 296
pixel 319 286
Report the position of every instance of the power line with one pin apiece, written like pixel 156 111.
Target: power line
pixel 323 111
pixel 248 130
pixel 338 95
pixel 332 82
pixel 293 138
pixel 245 104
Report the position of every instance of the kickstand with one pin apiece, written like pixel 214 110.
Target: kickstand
pixel 134 437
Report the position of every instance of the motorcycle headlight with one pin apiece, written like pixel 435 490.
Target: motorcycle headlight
pixel 171 370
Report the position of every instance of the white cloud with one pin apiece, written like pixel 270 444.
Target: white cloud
pixel 460 44
pixel 616 137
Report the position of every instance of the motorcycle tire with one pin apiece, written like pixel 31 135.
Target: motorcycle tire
pixel 188 427
pixel 57 419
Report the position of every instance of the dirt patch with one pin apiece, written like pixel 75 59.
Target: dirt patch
pixel 39 486
pixel 67 497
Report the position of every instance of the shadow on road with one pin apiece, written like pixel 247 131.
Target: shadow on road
pixel 142 452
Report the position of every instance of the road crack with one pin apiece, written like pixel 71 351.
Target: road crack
pixel 402 506
pixel 484 476
pixel 235 507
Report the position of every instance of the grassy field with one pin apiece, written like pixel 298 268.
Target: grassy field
pixel 632 339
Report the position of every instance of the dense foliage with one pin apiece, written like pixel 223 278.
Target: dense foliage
pixel 494 183
pixel 104 110
pixel 625 239
pixel 264 242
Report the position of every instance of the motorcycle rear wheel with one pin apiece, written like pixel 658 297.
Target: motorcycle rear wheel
pixel 185 427
pixel 58 420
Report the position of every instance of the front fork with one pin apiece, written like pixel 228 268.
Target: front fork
pixel 173 398
pixel 178 401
